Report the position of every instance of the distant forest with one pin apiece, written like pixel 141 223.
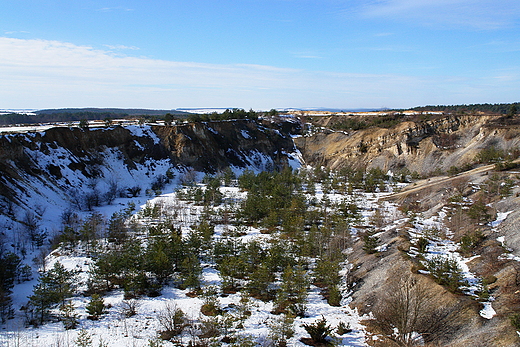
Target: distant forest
pixel 78 114
pixel 72 115
pixel 487 108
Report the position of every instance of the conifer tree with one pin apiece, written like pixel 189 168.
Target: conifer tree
pixel 69 316
pixel 291 297
pixel 96 307
pixel 54 287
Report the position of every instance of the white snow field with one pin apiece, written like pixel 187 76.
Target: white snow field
pixel 113 329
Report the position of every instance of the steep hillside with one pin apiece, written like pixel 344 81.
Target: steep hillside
pixel 470 218
pixel 81 168
pixel 423 146
pixel 368 249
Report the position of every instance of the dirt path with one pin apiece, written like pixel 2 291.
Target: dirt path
pixel 430 182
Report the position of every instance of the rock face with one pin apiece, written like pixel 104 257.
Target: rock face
pixel 421 146
pixel 210 147
pixel 56 165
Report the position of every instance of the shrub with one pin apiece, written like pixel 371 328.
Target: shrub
pixel 172 320
pixel 490 155
pixel 515 320
pixel 370 242
pixel 343 328
pixel 446 272
pixel 319 331
pixel 421 244
pixel 129 308
pixel 281 329
pixel 471 240
pixel 96 307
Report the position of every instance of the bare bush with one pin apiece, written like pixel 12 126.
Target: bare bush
pixel 411 313
pixel 129 308
pixel 172 320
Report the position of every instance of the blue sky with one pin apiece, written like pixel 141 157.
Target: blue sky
pixel 258 54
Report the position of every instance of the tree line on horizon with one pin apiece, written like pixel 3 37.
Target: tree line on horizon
pixel 488 108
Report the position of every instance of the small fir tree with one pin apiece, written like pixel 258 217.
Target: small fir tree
pixel 96 307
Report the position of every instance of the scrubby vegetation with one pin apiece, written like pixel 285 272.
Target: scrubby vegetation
pixel 274 258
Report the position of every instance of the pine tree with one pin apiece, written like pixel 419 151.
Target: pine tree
pixel 190 272
pixel 84 339
pixel 157 260
pixel 96 307
pixel 370 242
pixel 69 316
pixel 9 270
pixel 54 287
pixel 291 297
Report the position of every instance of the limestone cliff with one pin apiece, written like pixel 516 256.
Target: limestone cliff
pixel 422 146
pixel 58 166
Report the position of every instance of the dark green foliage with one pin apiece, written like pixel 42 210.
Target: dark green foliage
pixel 479 212
pixel 96 307
pixel 281 329
pixel 172 320
pixel 375 180
pixel 168 119
pixel 190 272
pixel 334 295
pixel 515 320
pixel 212 194
pixel 71 114
pixel 83 123
pixel 506 165
pixel 343 328
pixel 492 108
pixel 10 270
pixel 500 185
pixel 269 193
pixel 210 303
pixel 370 241
pixel 117 231
pixel 69 316
pixel 319 331
pixel 446 272
pixel 235 113
pixel 471 240
pixel 260 283
pixel 422 244
pixel 54 287
pixel 291 297
pixel 491 155
pixel 326 271
pixel 118 267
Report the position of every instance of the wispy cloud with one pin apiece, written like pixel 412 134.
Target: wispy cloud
pixel 16 32
pixel 121 47
pixel 474 14
pixel 41 73
pixel 307 55
pixel 112 9
pixel 383 34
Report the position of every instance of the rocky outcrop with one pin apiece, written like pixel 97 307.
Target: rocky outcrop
pixel 212 146
pixel 55 165
pixel 422 146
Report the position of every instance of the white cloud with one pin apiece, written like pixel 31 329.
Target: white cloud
pixel 111 9
pixel 46 74
pixel 121 47
pixel 448 14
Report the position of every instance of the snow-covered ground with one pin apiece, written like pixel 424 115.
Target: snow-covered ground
pixel 446 248
pixel 113 329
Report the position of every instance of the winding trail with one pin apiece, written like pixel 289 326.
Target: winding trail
pixel 445 180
